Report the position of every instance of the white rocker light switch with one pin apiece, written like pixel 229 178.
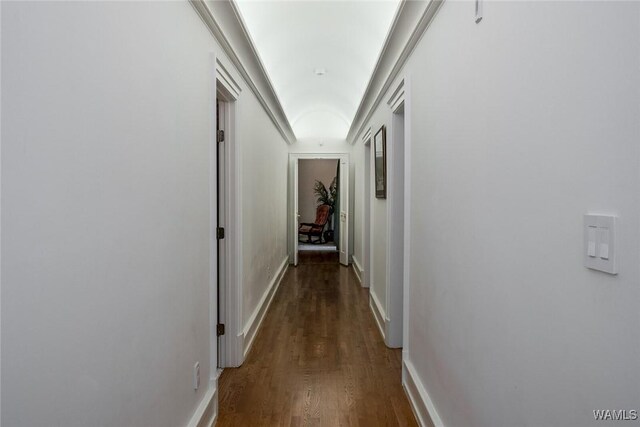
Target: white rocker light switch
pixel 600 243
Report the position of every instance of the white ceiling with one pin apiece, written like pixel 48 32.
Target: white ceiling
pixel 293 38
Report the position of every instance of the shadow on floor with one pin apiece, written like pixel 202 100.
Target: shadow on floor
pixel 318 257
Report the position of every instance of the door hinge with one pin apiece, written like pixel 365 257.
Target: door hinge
pixel 220 233
pixel 220 136
pixel 220 329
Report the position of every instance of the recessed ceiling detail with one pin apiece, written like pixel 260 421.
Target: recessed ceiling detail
pixel 319 56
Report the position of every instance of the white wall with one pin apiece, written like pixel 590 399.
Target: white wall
pixel 361 203
pixel 309 171
pixel 264 205
pixel 105 211
pixel 520 125
pixel 378 283
pixel 379 216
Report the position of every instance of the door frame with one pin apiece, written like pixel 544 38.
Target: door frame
pixel 222 203
pixel 344 215
pixel 399 218
pixel 367 208
pixel 225 88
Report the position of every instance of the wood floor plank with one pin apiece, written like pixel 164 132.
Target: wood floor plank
pixel 318 359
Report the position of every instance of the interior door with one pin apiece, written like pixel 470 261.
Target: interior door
pixel 337 226
pixel 296 214
pixel 344 208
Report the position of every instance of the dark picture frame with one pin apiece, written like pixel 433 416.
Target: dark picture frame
pixel 380 162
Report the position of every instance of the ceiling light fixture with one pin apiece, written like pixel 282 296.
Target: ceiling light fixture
pixel 320 71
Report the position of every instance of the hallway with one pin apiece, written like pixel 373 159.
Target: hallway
pixel 486 158
pixel 318 358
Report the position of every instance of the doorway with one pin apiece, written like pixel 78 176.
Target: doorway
pixel 318 205
pixel 309 174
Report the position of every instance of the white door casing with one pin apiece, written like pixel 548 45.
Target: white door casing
pixel 296 210
pixel 367 207
pixel 226 89
pixel 398 222
pixel 344 212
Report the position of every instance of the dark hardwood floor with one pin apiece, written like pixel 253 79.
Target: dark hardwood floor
pixel 318 358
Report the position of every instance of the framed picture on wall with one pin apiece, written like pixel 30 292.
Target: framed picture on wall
pixel 380 162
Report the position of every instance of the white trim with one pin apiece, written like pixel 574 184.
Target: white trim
pixel 406 253
pixel 396 227
pixel 421 403
pixel 378 312
pixel 1 227
pixel 344 246
pixel 225 79
pixel 367 136
pixel 293 200
pixel 233 240
pixel 1 222
pixel 404 36
pixel 223 109
pixel 252 326
pixel 367 234
pixel 357 269
pixel 213 221
pixel 207 411
pixel 226 87
pixel 225 24
pixel 397 97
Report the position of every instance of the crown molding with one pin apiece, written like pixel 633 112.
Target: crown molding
pixel 366 136
pixel 224 21
pixel 408 27
pixel 397 97
pixel 227 80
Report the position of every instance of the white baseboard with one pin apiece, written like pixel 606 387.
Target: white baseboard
pixel 421 403
pixel 239 350
pixel 207 411
pixel 378 312
pixel 257 316
pixel 357 268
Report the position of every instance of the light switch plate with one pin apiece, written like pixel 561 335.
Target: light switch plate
pixel 599 251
